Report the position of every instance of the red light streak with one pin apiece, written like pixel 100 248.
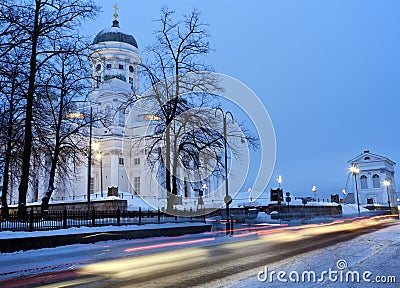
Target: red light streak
pixel 171 244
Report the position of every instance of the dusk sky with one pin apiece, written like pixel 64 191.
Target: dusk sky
pixel 326 71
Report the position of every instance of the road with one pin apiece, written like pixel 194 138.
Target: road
pixel 184 261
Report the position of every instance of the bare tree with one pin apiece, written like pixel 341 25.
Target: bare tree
pixel 33 26
pixel 62 84
pixel 182 93
pixel 12 87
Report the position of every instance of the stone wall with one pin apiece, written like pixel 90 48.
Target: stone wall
pixel 98 205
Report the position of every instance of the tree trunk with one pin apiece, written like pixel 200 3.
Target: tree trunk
pixel 26 156
pixel 6 172
pixel 167 168
pixel 50 187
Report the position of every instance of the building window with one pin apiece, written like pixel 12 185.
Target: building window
pixel 121 67
pixel 131 68
pixel 364 183
pixel 108 66
pixel 98 81
pixel 121 161
pixel 91 185
pixel 121 117
pixel 375 181
pixel 136 185
pixel 136 161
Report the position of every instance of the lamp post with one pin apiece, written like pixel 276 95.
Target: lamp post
pixel 89 155
pixel 280 198
pixel 355 170
pixel 386 183
pixel 279 180
pixel 89 171
pixel 205 187
pixel 314 190
pixel 227 199
pixel 344 195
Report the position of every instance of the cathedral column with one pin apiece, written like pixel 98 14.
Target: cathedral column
pixel 114 168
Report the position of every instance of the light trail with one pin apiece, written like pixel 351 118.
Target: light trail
pixel 170 244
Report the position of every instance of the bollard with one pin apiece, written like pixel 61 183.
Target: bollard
pixel 159 215
pixel 140 215
pixel 93 218
pixel 118 217
pixel 31 220
pixel 65 218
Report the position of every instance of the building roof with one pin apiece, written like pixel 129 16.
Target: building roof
pixel 114 34
pixel 368 156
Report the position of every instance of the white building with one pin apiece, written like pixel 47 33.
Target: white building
pixel 373 171
pixel 118 148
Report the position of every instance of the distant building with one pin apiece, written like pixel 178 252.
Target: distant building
pixel 373 171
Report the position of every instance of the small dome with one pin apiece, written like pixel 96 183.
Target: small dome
pixel 114 34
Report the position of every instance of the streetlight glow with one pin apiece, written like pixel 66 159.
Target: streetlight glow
pixel 96 146
pixel 355 170
pixel 386 183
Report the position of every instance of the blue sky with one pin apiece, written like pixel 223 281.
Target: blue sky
pixel 327 72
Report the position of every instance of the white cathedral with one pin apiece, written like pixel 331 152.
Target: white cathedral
pixel 118 151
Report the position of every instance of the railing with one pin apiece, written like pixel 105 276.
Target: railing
pixel 52 220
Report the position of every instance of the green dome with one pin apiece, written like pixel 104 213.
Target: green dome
pixel 114 34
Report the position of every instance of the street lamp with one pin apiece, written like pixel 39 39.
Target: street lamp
pixel 344 195
pixel 386 183
pixel 205 187
pixel 81 116
pixel 279 180
pixel 355 170
pixel 89 172
pixel 314 190
pixel 227 199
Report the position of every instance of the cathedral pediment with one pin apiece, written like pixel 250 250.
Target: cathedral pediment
pixel 367 157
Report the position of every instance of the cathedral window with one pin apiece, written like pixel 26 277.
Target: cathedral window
pixel 108 66
pixel 136 185
pixel 136 161
pixel 91 185
pixel 121 67
pixel 121 161
pixel 364 183
pixel 121 117
pixel 107 111
pixel 375 181
pixel 98 81
pixel 131 68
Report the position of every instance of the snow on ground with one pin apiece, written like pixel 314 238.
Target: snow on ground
pixel 374 252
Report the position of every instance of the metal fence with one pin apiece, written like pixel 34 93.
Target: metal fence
pixel 52 220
